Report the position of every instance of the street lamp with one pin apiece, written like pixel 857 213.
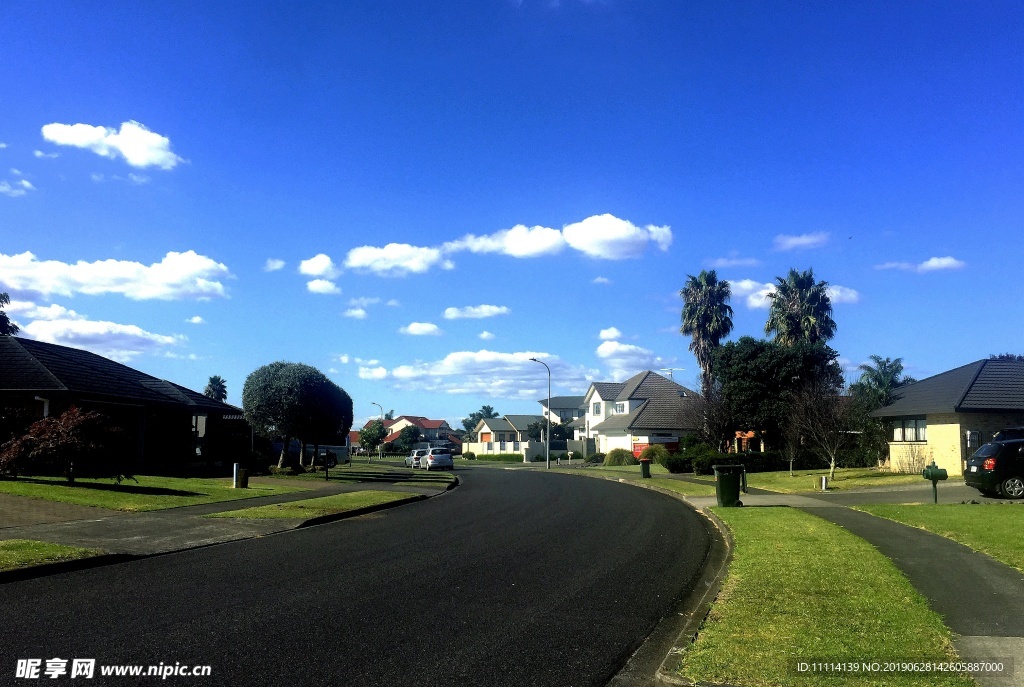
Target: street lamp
pixel 547 435
pixel 380 446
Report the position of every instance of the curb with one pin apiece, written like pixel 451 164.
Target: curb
pixel 47 569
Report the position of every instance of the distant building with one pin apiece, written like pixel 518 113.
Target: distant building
pixel 563 409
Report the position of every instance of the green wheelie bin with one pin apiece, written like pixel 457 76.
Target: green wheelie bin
pixel 729 480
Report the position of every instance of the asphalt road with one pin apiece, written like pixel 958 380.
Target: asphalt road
pixel 514 578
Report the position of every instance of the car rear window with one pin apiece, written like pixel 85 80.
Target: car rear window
pixel 439 452
pixel 988 450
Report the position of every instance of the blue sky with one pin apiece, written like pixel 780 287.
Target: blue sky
pixel 418 197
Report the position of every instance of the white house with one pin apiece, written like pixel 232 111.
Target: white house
pixel 506 434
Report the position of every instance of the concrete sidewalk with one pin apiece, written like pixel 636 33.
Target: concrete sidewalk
pixel 175 529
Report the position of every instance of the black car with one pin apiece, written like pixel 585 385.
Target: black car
pixel 998 468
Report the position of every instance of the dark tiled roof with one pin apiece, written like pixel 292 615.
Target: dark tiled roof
pixel 668 412
pixel 521 422
pixel 29 365
pixel 650 385
pixel 608 390
pixel 984 385
pixel 497 424
pixel 572 402
pixel 578 422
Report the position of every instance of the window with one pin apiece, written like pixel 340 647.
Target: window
pixel 597 409
pixel 620 408
pixel 910 430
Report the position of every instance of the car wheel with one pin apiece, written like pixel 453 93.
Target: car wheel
pixel 1013 487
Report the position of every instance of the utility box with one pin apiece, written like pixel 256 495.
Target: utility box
pixel 934 473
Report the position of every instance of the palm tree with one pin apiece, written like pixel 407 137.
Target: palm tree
pixel 7 328
pixel 801 310
pixel 216 388
pixel 706 319
pixel 880 380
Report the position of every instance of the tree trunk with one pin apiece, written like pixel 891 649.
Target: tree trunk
pixel 284 453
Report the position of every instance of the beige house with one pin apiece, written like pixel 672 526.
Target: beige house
pixel 946 418
pixel 506 434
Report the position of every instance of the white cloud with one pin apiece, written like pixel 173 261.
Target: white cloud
pixel 96 176
pixel 602 280
pixel 138 178
pixel 800 241
pixel 16 172
pixel 319 265
pixel 41 312
pixel 732 261
pixel 929 265
pixel 323 286
pixel 491 374
pixel 355 313
pixel 363 302
pixel 196 320
pixel 610 238
pixel 485 335
pixel 176 276
pixel 754 292
pixel 421 329
pixel 139 146
pixel 475 312
pixel 120 342
pixel 610 333
pixel 519 242
pixel 367 363
pixel 15 190
pixel 625 360
pixel 343 358
pixel 2 145
pixel 41 154
pixel 273 265
pixel 842 294
pixel 372 373
pixel 396 259
pixel 393 303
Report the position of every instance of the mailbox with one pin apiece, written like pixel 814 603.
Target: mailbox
pixel 934 473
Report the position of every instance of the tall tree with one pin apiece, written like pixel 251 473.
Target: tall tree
pixel 7 328
pixel 800 310
pixel 706 319
pixel 407 438
pixel 390 415
pixel 371 436
pixel 469 423
pixel 877 387
pixel 216 388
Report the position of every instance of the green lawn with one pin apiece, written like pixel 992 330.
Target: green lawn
pixel 22 553
pixel 994 528
pixel 142 494
pixel 357 473
pixel 807 480
pixel 314 508
pixel 659 477
pixel 801 588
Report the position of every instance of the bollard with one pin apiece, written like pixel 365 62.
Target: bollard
pixel 234 476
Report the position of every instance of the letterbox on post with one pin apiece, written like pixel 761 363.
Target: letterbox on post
pixel 934 473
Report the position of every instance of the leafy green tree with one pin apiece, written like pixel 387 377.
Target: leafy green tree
pixel 759 380
pixel 800 310
pixel 390 415
pixel 706 319
pixel 877 387
pixel 559 431
pixel 216 388
pixel 372 436
pixel 407 438
pixel 7 328
pixel 469 423
pixel 292 400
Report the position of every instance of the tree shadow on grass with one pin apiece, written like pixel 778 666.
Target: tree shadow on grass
pixel 122 488
pixel 390 477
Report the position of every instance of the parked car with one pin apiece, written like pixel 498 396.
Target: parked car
pixel 997 468
pixel 413 459
pixel 438 458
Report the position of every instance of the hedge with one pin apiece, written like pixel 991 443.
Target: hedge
pixel 502 457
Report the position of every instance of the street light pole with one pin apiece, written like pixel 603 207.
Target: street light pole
pixel 547 435
pixel 380 446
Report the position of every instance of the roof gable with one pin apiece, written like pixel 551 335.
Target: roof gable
pixel 650 384
pixel 984 385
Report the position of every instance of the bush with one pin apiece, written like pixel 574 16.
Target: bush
pixel 595 458
pixel 656 453
pixel 502 457
pixel 620 456
pixel 469 455
pixel 677 463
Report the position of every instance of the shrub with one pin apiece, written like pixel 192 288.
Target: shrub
pixel 656 453
pixel 595 458
pixel 620 456
pixel 677 463
pixel 469 455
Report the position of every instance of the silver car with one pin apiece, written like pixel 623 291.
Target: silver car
pixel 438 458
pixel 413 459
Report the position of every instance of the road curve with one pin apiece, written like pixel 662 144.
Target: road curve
pixel 515 578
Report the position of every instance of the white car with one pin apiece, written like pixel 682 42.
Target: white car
pixel 413 459
pixel 437 458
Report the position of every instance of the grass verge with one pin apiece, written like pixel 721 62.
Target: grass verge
pixel 631 473
pixel 807 480
pixel 22 553
pixel 357 473
pixel 995 529
pixel 141 494
pixel 318 507
pixel 801 588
